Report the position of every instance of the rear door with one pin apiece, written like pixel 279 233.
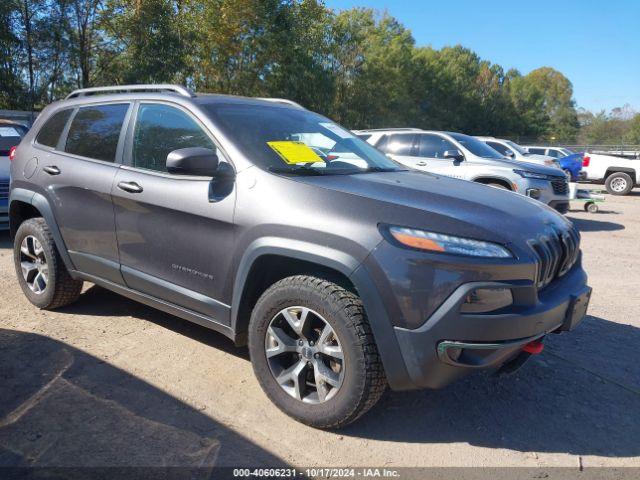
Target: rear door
pixel 175 232
pixel 401 148
pixel 78 153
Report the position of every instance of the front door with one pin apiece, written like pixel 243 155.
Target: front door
pixel 431 150
pixel 175 233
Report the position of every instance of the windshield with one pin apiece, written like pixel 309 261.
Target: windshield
pixel 517 148
pixel 10 136
pixel 287 140
pixel 477 147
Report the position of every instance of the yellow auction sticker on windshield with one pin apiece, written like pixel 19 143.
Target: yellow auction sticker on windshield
pixel 294 152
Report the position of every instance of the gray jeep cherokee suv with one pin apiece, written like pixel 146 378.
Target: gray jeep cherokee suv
pixel 343 272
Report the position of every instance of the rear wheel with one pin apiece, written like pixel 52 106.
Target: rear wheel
pixel 591 207
pixel 313 352
pixel 41 273
pixel 619 183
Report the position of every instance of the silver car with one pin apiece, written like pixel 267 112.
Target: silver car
pixel 11 134
pixel 461 156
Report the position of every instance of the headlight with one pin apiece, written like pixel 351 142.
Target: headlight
pixel 527 174
pixel 438 242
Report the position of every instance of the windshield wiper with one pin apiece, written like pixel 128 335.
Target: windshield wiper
pixel 381 169
pixel 296 170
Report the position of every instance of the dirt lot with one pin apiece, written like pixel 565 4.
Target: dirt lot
pixel 110 382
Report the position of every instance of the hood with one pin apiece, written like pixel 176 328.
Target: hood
pixel 446 205
pixel 520 165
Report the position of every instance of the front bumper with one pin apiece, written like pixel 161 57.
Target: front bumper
pixel 450 345
pixel 544 193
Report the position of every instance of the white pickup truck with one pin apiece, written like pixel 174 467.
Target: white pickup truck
pixel 618 174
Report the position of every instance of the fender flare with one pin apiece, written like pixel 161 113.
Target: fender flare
pixel 39 201
pixel 350 267
pixel 628 170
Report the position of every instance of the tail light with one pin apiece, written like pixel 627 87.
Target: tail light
pixel 12 153
pixel 586 160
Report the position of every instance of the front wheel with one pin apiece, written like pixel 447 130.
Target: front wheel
pixel 619 183
pixel 313 352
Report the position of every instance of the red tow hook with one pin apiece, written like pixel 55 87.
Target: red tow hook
pixel 534 348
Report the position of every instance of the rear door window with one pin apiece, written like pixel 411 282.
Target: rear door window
pixel 161 129
pixel 399 144
pixel 50 132
pixel 536 151
pixel 95 131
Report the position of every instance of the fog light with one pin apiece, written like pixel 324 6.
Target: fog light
pixel 533 193
pixel 483 300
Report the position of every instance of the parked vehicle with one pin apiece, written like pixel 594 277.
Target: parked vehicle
pixel 515 152
pixel 461 156
pixel 618 174
pixel 570 162
pixel 10 135
pixel 342 279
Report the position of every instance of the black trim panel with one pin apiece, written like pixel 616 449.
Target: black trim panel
pixel 175 294
pixel 97 266
pixel 162 305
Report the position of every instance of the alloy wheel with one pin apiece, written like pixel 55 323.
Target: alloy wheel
pixel 618 185
pixel 33 263
pixel 304 355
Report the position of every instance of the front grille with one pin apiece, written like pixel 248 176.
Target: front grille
pixel 4 190
pixel 560 186
pixel 557 252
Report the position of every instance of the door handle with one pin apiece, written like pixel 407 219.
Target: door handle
pixel 131 187
pixel 421 164
pixel 51 170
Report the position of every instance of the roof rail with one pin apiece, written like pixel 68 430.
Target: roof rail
pixel 399 129
pixel 281 100
pixel 83 92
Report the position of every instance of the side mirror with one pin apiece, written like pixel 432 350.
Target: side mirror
pixel 454 154
pixel 510 154
pixel 202 162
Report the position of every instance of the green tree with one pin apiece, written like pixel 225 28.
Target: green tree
pixel 152 46
pixel 371 65
pixel 633 135
pixel 544 100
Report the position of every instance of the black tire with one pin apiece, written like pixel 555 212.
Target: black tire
pixel 363 381
pixel 591 207
pixel 60 289
pixel 619 183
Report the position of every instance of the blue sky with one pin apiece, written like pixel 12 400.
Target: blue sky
pixel 595 43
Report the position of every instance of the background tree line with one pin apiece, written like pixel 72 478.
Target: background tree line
pixel 361 68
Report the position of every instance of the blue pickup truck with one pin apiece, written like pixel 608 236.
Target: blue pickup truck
pixel 569 161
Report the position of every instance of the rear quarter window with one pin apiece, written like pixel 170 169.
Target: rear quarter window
pixel 50 132
pixel 95 131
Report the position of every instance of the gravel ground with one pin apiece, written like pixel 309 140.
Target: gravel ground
pixel 111 382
